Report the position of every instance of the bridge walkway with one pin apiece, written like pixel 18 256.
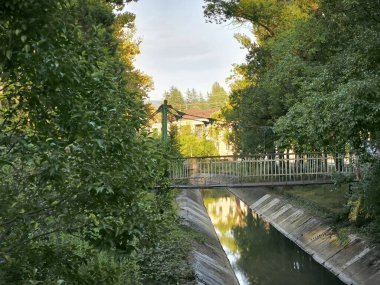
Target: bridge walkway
pixel 260 170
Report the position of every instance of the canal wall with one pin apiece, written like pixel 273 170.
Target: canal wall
pixel 354 263
pixel 208 259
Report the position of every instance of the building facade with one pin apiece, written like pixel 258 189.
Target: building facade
pixel 201 124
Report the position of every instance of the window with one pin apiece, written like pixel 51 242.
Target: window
pixel 199 130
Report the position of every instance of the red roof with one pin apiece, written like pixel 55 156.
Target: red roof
pixel 198 113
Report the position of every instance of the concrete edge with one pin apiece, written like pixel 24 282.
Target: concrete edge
pixel 355 263
pixel 209 261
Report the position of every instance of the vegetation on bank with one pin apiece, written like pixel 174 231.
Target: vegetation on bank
pixel 344 206
pixel 310 83
pixel 325 200
pixel 77 171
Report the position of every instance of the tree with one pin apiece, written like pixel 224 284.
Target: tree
pixel 192 144
pixel 76 174
pixel 218 96
pixel 267 16
pixel 289 75
pixel 341 100
pixel 312 78
pixel 195 100
pixel 175 98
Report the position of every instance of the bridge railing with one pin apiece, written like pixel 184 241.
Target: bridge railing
pixel 260 168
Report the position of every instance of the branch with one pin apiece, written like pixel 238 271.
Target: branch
pixel 271 33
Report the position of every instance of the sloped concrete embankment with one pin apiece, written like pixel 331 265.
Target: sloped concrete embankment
pixel 354 263
pixel 209 261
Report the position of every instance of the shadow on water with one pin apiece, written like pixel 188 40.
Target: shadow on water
pixel 258 253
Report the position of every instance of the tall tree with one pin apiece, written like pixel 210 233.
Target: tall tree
pixel 75 172
pixel 341 102
pixel 312 78
pixel 257 99
pixel 195 100
pixel 175 98
pixel 267 16
pixel 218 96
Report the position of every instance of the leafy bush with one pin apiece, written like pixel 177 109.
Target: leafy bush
pixel 77 172
pixel 365 201
pixel 167 262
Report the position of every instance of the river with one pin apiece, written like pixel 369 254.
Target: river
pixel 258 253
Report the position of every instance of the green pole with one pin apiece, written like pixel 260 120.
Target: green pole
pixel 164 129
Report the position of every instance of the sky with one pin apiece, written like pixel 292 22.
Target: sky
pixel 180 49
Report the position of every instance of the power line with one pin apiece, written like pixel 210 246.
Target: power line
pixel 180 114
pixel 178 117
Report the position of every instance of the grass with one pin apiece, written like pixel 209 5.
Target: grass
pixel 323 200
pixel 326 201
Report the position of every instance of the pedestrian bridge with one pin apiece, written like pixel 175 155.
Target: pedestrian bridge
pixel 266 170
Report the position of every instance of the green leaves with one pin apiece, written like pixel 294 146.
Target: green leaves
pixel 8 54
pixel 315 80
pixel 72 159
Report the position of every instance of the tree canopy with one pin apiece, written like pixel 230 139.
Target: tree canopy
pixel 216 99
pixel 310 77
pixel 310 83
pixel 76 171
pixel 175 98
pixel 218 96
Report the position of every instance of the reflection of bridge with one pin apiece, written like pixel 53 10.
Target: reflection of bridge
pixel 260 170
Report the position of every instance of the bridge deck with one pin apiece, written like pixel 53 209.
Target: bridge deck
pixel 260 170
pixel 253 185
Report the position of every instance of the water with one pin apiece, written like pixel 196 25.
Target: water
pixel 258 253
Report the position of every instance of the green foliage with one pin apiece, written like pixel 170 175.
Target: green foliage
pixel 167 262
pixel 341 101
pixel 195 100
pixel 372 181
pixel 174 146
pixel 105 268
pixel 216 99
pixel 76 172
pixel 175 98
pixel 218 96
pixel 267 16
pixel 314 78
pixel 192 144
pixel 365 200
pixel 67 259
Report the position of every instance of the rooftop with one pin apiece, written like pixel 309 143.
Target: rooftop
pixel 193 113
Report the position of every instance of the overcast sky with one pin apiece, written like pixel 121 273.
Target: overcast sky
pixel 180 49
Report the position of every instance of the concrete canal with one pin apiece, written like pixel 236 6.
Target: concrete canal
pixel 258 253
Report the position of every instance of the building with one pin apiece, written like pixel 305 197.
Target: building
pixel 200 123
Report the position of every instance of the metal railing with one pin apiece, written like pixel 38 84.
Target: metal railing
pixel 261 168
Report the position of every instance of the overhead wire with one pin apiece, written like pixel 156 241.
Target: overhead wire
pixel 178 118
pixel 180 114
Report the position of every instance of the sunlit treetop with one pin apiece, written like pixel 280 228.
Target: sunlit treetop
pixel 267 16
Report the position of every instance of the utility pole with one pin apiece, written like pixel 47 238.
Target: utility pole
pixel 164 129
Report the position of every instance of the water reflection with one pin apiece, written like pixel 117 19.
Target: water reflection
pixel 258 253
